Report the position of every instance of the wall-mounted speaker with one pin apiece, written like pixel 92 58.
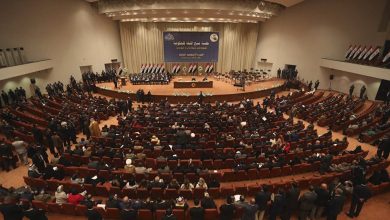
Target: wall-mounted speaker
pixel 331 77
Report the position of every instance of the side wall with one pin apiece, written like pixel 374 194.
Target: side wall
pixel 315 29
pixel 70 32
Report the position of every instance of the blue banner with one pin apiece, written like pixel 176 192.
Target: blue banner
pixel 191 46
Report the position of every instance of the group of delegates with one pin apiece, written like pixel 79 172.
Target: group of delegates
pixel 142 97
pixel 150 78
pixel 13 97
pixel 55 89
pixel 90 77
pixel 286 73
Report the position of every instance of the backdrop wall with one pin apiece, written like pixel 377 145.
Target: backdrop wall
pixel 70 32
pixel 315 29
pixel 143 43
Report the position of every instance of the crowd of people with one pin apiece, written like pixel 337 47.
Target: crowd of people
pixel 233 132
pixel 150 78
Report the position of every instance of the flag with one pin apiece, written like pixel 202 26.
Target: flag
pixel 148 68
pixel 162 68
pixel 375 53
pixel 174 68
pixel 194 68
pixel 369 52
pixel 211 68
pixel 353 52
pixel 153 68
pixel 358 52
pixel 348 51
pixel 158 68
pixel 190 68
pixel 363 53
pixel 386 57
pixel 142 68
pixel 178 68
pixel 206 70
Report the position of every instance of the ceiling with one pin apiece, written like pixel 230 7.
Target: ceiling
pixel 227 11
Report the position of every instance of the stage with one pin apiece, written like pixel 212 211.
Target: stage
pixel 222 90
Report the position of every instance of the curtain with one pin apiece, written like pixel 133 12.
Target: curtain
pixel 142 42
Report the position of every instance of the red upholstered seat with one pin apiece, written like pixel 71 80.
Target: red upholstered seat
pixel 81 210
pixel 39 205
pixel 101 190
pixel 54 207
pixel 211 214
pixel 171 194
pixel 112 213
pixel 264 173
pixel 179 213
pixel 68 209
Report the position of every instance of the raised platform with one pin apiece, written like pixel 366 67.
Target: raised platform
pixel 222 91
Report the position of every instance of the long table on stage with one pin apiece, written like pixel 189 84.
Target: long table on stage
pixel 193 84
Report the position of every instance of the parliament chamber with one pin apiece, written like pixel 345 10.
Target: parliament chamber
pixel 194 110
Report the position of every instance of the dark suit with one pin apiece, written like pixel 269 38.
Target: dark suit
pixel 11 211
pixel 361 193
pixel 291 203
pixel 226 212
pixel 277 206
pixel 306 204
pixel 335 206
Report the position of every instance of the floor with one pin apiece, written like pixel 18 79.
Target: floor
pixel 377 208
pixel 219 87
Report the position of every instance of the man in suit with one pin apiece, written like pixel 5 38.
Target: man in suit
pixel 360 194
pixel 249 210
pixel 197 212
pixel 335 205
pixel 262 199
pixel 384 148
pixel 277 204
pixel 291 204
pixel 351 90
pixel 320 203
pixel 306 203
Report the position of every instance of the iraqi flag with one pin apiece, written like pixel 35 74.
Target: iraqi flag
pixel 353 52
pixel 386 57
pixel 174 68
pixel 206 70
pixel 375 53
pixel 369 52
pixel 211 68
pixel 358 52
pixel 363 53
pixel 148 68
pixel 348 51
pixel 178 68
pixel 190 68
pixel 194 68
pixel 158 68
pixel 153 68
pixel 162 69
pixel 142 68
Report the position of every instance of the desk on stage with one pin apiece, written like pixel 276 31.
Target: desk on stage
pixel 193 84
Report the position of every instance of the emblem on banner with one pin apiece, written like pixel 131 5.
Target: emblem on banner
pixel 169 37
pixel 214 37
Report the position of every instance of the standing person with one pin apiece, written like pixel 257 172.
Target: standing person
pixel 21 149
pixel 94 128
pixel 316 84
pixel 227 210
pixel 197 212
pixel 249 209
pixel 57 143
pixel 321 201
pixel 335 205
pixel 10 210
pixel 291 204
pixel 362 92
pixel 384 148
pixel 38 136
pixel 277 204
pixel 262 198
pixel 360 194
pixel 387 101
pixel 4 95
pixel 92 214
pixel 351 90
pixel 310 85
pixel 32 213
pixel 306 203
